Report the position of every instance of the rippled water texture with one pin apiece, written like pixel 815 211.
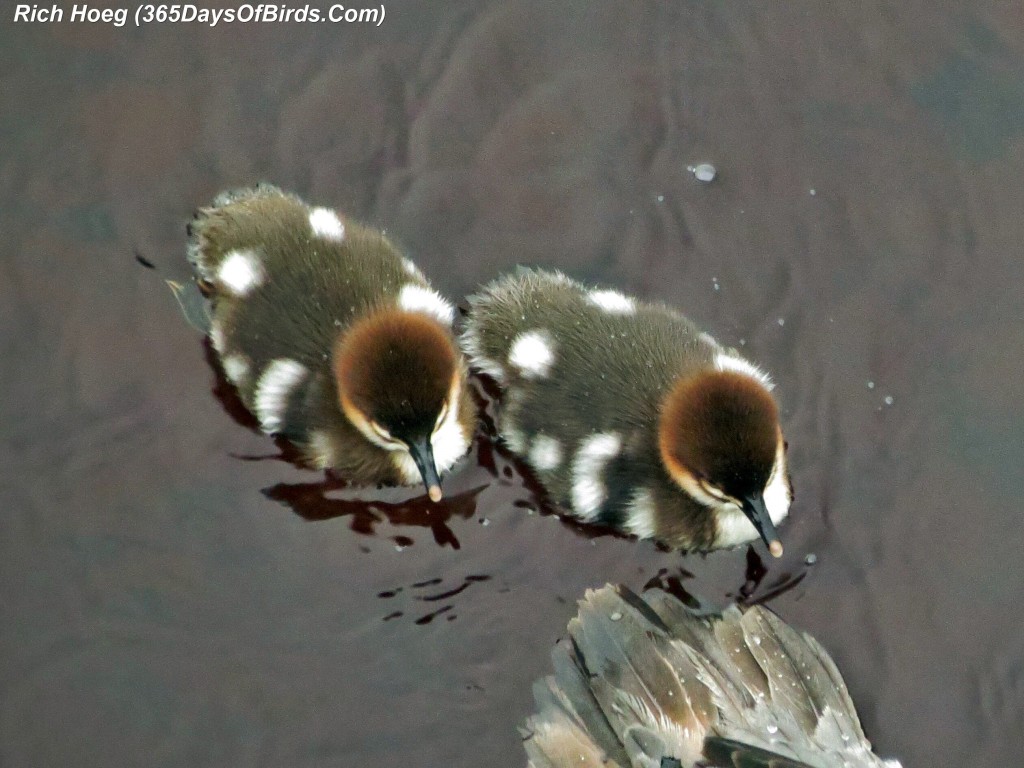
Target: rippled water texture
pixel 168 602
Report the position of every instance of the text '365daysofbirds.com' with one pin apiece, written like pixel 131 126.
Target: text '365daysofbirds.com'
pixel 191 13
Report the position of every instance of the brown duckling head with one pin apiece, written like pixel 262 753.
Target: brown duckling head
pixel 401 383
pixel 721 443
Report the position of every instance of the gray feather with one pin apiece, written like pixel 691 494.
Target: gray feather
pixel 649 682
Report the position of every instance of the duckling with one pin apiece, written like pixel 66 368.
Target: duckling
pixel 333 339
pixel 648 682
pixel 630 415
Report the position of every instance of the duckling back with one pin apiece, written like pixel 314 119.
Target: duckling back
pixel 286 280
pixel 585 374
pixel 649 683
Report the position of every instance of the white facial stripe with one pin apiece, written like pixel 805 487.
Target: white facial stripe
pixel 640 515
pixel 470 342
pixel 727 362
pixel 734 527
pixel 325 223
pixel 612 302
pixel 418 298
pixel 449 441
pixel 777 495
pixel 545 453
pixel 588 488
pixel 275 386
pixel 236 367
pixel 240 272
pixel 532 353
pixel 407 469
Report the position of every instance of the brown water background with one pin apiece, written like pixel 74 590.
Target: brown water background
pixel 160 602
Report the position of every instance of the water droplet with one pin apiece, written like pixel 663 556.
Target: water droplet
pixel 871 385
pixel 813 192
pixel 484 521
pixel 889 400
pixel 616 616
pixel 661 198
pixel 782 321
pixel 811 559
pixel 705 172
pixel 757 639
pixel 773 728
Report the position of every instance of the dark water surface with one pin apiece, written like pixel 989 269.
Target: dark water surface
pixel 162 602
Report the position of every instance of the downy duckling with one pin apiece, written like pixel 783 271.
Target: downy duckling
pixel 333 339
pixel 630 415
pixel 650 683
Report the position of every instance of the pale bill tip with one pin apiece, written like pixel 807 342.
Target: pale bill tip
pixel 775 548
pixel 434 492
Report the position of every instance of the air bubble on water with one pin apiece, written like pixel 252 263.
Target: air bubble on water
pixel 704 172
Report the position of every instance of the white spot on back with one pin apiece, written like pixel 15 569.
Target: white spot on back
pixel 325 223
pixel 275 386
pixel 236 367
pixel 217 339
pixel 240 271
pixel 588 488
pixel 419 298
pixel 727 362
pixel 708 339
pixel 470 342
pixel 411 269
pixel 640 519
pixel 612 302
pixel 321 449
pixel 514 439
pixel 545 453
pixel 532 353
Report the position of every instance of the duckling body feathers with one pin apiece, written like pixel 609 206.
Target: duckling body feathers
pixel 586 373
pixel 287 282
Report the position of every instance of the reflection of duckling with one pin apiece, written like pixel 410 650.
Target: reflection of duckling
pixel 650 683
pixel 333 339
pixel 630 415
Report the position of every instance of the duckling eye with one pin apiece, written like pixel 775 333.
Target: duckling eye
pixel 711 490
pixel 383 434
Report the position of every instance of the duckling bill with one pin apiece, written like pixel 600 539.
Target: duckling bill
pixel 332 338
pixel 647 682
pixel 630 415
